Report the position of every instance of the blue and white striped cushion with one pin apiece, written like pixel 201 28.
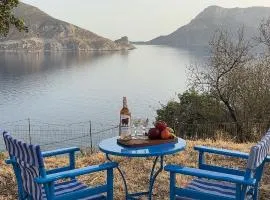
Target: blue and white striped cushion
pixel 71 186
pixel 259 152
pixel 22 151
pixel 218 188
pixel 29 160
pixel 28 174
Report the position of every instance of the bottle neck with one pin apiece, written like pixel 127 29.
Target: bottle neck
pixel 124 103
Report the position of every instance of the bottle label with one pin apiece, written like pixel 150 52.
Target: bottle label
pixel 125 125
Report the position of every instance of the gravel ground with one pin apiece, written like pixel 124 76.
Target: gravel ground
pixel 137 170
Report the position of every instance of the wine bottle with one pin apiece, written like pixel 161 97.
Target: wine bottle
pixel 125 121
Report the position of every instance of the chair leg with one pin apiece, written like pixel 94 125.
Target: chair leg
pixel 110 184
pixel 242 190
pixel 172 185
pixel 21 194
pixel 256 193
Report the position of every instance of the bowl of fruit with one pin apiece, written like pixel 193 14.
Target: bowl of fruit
pixel 161 132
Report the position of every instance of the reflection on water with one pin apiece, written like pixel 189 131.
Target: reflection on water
pixel 71 87
pixel 19 63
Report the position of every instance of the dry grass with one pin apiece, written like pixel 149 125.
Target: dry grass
pixel 137 170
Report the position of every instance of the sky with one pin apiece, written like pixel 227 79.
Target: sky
pixel 140 20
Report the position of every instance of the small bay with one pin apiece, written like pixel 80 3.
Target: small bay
pixel 68 87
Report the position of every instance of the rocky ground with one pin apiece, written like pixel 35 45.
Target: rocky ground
pixel 137 170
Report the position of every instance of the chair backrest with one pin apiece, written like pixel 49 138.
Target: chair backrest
pixel 29 161
pixel 259 152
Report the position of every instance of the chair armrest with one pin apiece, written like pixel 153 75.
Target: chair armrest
pixel 268 159
pixel 60 151
pixel 210 174
pixel 76 172
pixel 71 153
pixel 10 161
pixel 225 152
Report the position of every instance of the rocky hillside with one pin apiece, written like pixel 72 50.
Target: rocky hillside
pixel 124 42
pixel 49 34
pixel 199 31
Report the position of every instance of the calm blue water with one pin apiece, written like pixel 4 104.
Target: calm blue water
pixel 69 87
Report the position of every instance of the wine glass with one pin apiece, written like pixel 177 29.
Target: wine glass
pixel 140 127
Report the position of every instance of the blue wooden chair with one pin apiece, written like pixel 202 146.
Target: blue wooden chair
pixel 222 183
pixel 35 183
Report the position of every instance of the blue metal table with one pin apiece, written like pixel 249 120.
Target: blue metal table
pixel 110 147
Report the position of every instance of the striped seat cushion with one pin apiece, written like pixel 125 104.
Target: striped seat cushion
pixel 259 152
pixel 224 189
pixel 219 188
pixel 29 161
pixel 71 186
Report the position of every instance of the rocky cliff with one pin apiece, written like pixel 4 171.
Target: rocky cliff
pixel 124 42
pixel 199 31
pixel 49 34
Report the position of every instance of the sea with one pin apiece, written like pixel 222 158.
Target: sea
pixel 60 89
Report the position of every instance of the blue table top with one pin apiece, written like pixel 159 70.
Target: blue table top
pixel 110 146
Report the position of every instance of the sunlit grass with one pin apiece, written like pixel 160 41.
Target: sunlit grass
pixel 138 169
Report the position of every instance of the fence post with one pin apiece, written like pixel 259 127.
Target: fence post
pixel 90 134
pixel 29 131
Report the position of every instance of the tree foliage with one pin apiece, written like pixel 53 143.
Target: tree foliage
pixel 224 76
pixel 8 19
pixel 238 78
pixel 233 85
pixel 264 34
pixel 192 107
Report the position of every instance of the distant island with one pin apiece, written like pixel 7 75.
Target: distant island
pixel 49 34
pixel 197 33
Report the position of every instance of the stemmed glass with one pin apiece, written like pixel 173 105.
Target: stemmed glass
pixel 139 127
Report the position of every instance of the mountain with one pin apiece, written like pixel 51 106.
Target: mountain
pixel 199 31
pixel 124 42
pixel 49 34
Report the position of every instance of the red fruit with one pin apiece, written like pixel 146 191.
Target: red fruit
pixel 160 125
pixel 166 134
pixel 154 134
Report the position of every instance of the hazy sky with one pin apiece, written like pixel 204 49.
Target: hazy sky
pixel 137 19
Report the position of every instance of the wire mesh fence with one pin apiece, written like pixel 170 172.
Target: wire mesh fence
pixel 89 135
pixel 52 136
